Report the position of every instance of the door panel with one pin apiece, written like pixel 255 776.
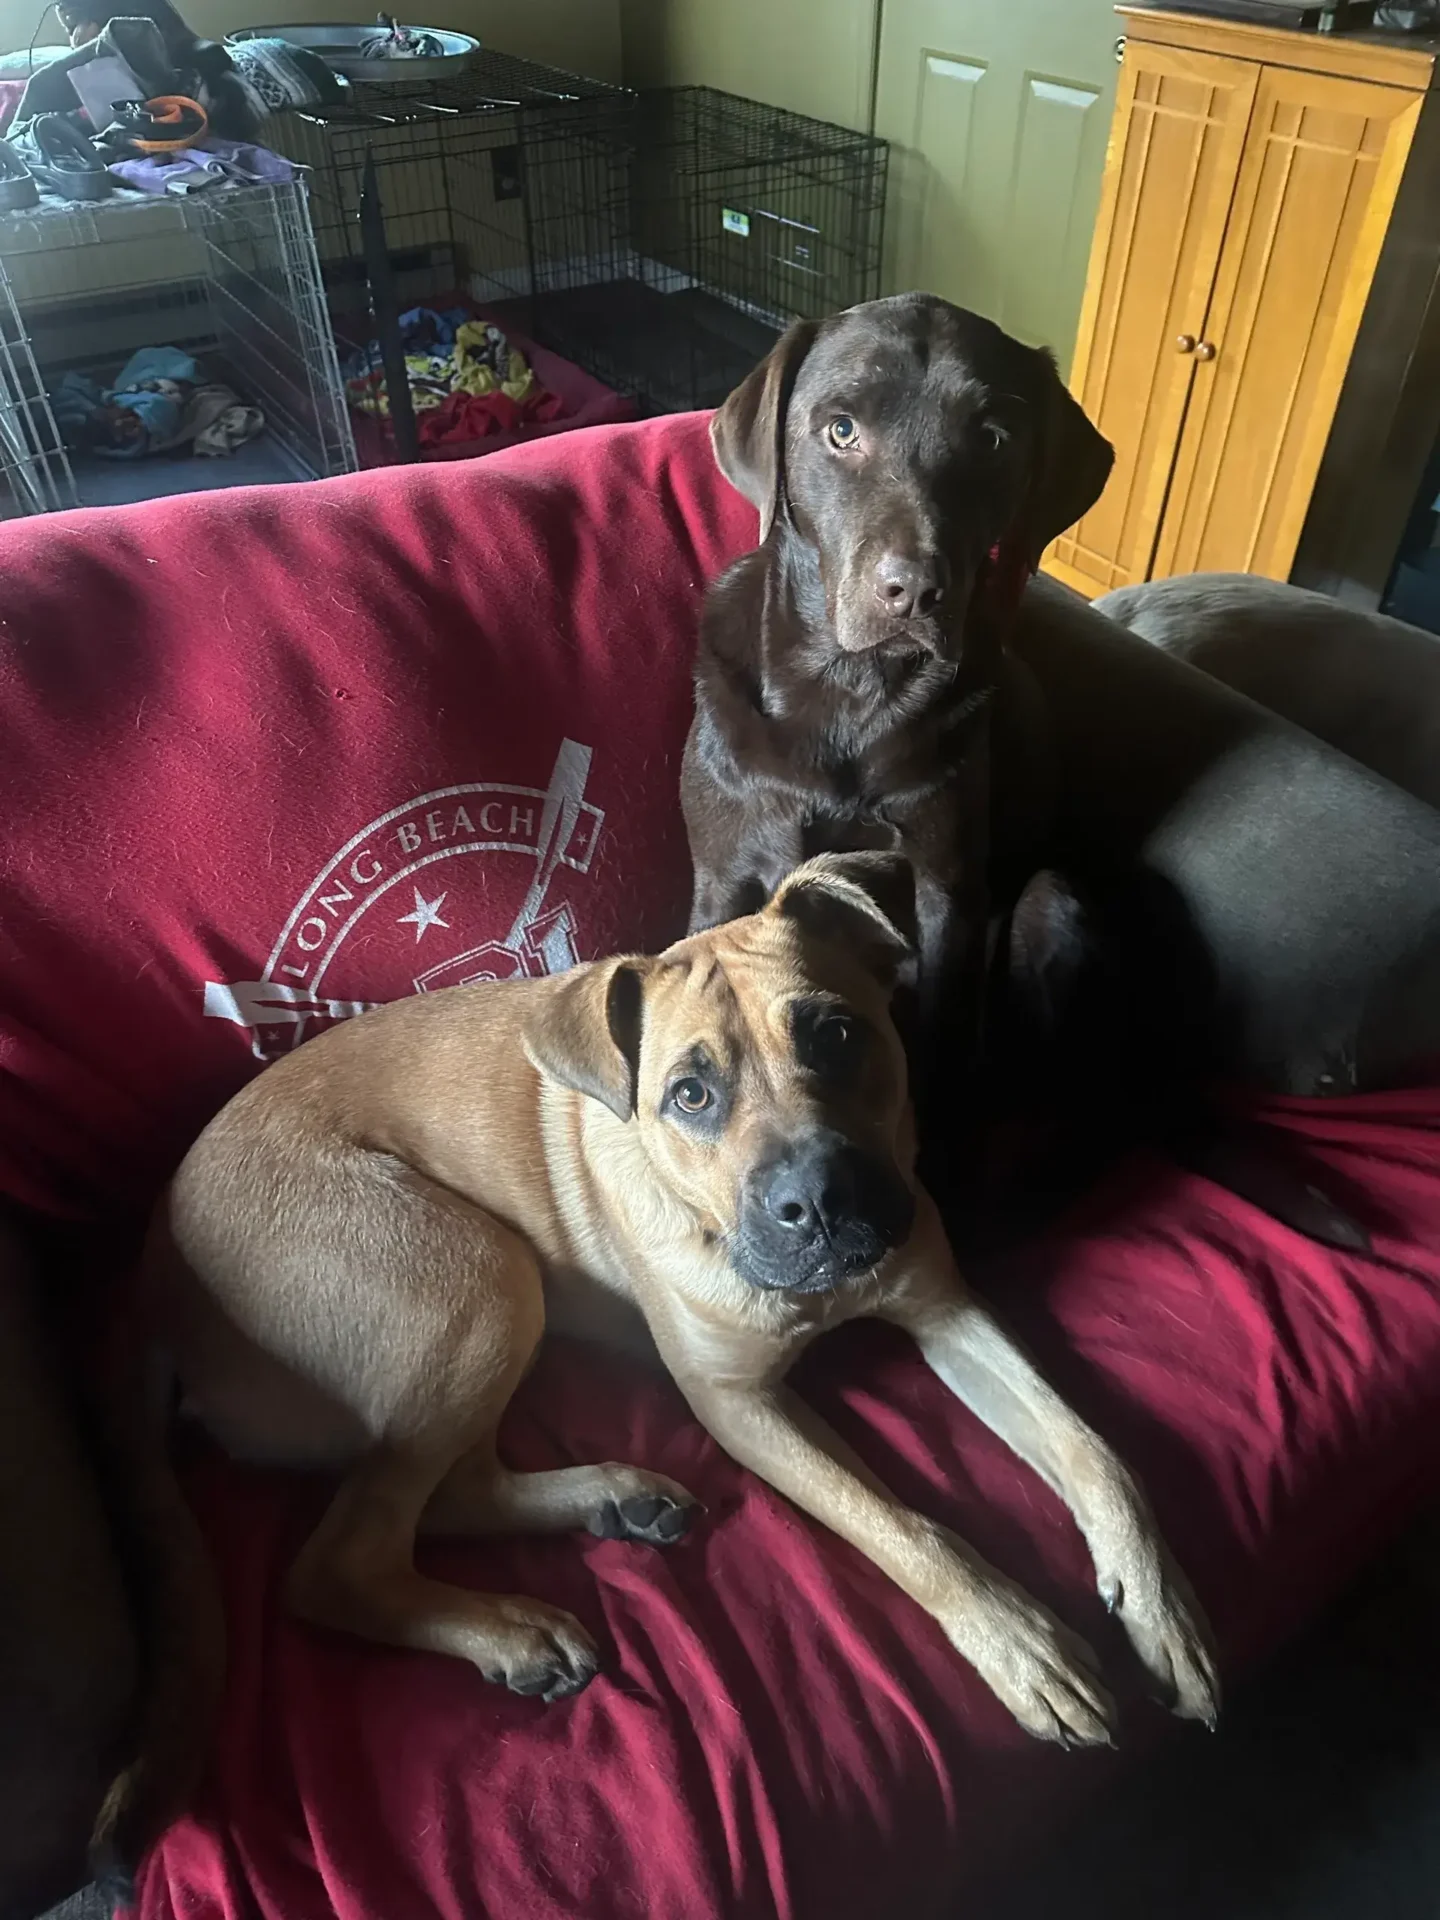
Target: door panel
pixel 997 117
pixel 1321 168
pixel 1179 131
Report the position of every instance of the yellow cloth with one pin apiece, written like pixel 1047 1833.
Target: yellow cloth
pixel 433 375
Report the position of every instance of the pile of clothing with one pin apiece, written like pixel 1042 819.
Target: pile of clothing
pixel 467 382
pixel 212 162
pixel 159 401
pixel 137 94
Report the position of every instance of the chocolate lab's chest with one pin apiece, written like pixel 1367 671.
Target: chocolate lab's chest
pixel 892 770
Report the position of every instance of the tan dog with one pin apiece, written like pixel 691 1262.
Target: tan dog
pixel 359 1256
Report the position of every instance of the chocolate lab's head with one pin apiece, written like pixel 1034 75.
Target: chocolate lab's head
pixel 920 455
pixel 760 1065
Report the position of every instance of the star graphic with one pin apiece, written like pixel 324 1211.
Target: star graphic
pixel 425 916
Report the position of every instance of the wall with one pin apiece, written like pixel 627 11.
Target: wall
pixel 813 56
pixel 583 35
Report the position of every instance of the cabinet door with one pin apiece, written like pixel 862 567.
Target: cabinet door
pixel 1175 148
pixel 1321 168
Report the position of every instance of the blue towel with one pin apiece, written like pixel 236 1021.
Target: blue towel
pixel 80 404
pixel 157 363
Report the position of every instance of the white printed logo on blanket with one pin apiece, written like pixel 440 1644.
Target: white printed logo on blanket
pixel 390 884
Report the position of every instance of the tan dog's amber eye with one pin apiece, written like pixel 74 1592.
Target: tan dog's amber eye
pixel 842 433
pixel 836 1032
pixel 691 1096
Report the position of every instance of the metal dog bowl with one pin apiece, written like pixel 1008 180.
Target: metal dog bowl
pixel 339 47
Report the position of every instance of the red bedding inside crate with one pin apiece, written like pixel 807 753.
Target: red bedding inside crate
pixel 266 757
pixel 580 401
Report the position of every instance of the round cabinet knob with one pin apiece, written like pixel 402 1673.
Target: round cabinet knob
pixel 1205 351
pixel 1185 343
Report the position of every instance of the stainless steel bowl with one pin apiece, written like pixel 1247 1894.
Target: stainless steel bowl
pixel 339 47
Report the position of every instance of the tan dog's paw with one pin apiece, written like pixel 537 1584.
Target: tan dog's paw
pixel 541 1651
pixel 1170 1634
pixel 645 1507
pixel 1044 1673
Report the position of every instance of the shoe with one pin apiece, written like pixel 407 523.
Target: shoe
pixel 17 184
pixel 63 160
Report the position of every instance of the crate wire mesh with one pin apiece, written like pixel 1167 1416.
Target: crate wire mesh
pixel 661 241
pixel 34 466
pixel 447 159
pixel 673 240
pixel 229 275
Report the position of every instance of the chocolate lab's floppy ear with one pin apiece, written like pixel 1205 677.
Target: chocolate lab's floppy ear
pixel 748 432
pixel 587 1035
pixel 861 900
pixel 1072 464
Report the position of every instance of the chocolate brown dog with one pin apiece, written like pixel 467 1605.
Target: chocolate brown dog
pixel 356 1262
pixel 910 463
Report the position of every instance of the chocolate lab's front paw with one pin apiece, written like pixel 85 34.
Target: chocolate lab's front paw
pixel 1046 1675
pixel 1163 1620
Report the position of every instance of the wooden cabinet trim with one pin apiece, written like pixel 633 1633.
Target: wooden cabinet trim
pixel 1231 85
pixel 1384 60
pixel 1187 516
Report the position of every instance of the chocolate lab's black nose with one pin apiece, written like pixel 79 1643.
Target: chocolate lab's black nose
pixel 812 1188
pixel 909 584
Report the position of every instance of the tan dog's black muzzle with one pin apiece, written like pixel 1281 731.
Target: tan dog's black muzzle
pixel 818 1212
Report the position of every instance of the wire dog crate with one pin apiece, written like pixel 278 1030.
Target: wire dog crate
pixel 661 241
pixel 229 276
pixel 447 160
pixel 673 243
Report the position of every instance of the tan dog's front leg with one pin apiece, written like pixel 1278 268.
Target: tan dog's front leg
pixel 1043 1672
pixel 1137 1576
pixel 356 1573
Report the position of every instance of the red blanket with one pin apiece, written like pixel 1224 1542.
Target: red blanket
pixel 265 757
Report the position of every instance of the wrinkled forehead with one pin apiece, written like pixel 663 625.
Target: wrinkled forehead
pixel 730 994
pixel 890 362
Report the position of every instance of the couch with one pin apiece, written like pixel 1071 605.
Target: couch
pixel 271 756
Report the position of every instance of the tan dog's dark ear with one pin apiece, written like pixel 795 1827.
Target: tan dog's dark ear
pixel 748 432
pixel 861 900
pixel 587 1035
pixel 1072 464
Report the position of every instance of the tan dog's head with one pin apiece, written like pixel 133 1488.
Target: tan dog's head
pixel 763 1071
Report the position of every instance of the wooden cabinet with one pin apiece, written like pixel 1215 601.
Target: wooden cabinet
pixel 1250 199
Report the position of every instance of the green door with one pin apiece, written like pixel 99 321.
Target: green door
pixel 997 112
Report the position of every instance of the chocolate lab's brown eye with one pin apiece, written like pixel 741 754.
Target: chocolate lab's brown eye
pixel 843 433
pixel 691 1096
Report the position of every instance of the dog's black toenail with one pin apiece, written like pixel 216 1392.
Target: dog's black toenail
pixel 607 1524
pixel 1113 1594
pixel 532 1683
pixel 564 1684
pixel 642 1510
pixel 673 1522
